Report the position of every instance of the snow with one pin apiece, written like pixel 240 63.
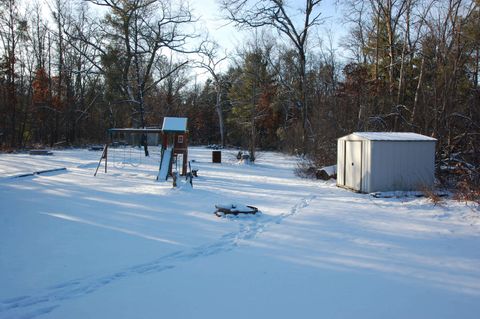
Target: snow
pixel 174 124
pixel 121 245
pixel 390 136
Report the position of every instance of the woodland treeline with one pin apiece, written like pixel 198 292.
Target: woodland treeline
pixel 69 70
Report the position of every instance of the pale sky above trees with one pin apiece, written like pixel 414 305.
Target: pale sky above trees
pixel 229 37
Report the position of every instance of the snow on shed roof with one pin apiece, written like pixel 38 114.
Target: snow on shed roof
pixel 390 136
pixel 174 124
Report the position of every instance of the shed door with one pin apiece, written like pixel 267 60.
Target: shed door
pixel 353 164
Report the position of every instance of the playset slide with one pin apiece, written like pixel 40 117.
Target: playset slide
pixel 164 165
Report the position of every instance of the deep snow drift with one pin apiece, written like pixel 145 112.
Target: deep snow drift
pixel 121 245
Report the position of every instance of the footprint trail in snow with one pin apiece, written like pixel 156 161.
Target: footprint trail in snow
pixel 47 300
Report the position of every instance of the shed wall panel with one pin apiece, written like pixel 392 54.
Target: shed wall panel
pixel 353 165
pixel 340 162
pixel 366 153
pixel 401 165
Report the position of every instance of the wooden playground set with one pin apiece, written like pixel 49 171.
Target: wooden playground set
pixel 174 149
pixel 174 146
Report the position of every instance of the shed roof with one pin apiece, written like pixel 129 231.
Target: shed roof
pixel 174 124
pixel 389 136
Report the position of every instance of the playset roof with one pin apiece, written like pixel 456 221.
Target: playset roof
pixel 174 124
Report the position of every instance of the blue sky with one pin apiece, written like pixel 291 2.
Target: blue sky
pixel 228 37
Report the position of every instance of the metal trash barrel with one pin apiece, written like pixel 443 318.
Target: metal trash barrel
pixel 216 156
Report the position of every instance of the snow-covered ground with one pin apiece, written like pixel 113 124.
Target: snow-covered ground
pixel 121 245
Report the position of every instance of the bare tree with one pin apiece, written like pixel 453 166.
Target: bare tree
pixel 356 13
pixel 277 14
pixel 211 60
pixel 391 12
pixel 11 27
pixel 143 31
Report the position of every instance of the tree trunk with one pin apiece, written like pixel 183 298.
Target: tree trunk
pixel 253 132
pixel 406 41
pixel 11 59
pixel 218 108
pixel 417 91
pixel 303 101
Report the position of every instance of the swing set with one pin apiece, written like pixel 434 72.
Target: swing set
pixel 174 139
pixel 127 157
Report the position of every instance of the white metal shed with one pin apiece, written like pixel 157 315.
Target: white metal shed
pixel 379 161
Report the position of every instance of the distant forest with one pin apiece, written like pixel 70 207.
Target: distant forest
pixel 69 70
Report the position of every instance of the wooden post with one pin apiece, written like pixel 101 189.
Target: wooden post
pixel 184 164
pixel 185 154
pixel 164 140
pixel 104 156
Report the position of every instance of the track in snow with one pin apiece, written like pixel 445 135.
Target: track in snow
pixel 47 300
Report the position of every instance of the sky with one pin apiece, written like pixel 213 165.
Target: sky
pixel 229 37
